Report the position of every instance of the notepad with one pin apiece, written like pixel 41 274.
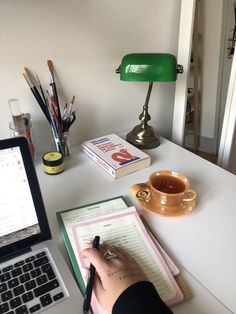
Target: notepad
pixel 118 224
pixel 68 217
pixel 125 229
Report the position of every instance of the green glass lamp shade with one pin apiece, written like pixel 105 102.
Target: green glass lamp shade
pixel 148 67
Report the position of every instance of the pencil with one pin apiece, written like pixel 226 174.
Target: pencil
pixel 89 287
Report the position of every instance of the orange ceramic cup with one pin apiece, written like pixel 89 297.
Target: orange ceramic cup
pixel 165 188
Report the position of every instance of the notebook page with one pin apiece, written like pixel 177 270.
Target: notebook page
pixel 88 212
pixel 85 213
pixel 173 268
pixel 126 230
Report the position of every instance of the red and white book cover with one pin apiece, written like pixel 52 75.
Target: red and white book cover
pixel 115 155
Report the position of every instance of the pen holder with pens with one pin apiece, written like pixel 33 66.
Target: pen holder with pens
pixel 62 143
pixel 60 122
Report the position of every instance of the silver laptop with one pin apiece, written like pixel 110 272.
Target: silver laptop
pixel 34 277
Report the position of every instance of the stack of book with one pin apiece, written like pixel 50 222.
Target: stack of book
pixel 123 227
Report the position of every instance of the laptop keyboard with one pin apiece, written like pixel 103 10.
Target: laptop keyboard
pixel 29 285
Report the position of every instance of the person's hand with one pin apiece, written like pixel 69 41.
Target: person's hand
pixel 114 275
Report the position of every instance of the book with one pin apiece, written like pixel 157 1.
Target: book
pixel 115 155
pixel 126 229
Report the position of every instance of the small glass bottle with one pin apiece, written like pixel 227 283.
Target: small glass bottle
pixel 17 123
pixel 20 124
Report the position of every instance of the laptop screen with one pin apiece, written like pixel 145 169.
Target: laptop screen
pixel 23 220
pixel 17 211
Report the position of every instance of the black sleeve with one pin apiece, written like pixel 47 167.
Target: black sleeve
pixel 140 298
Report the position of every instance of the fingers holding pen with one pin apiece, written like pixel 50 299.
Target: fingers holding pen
pixel 95 257
pixel 112 261
pixel 107 253
pixel 116 270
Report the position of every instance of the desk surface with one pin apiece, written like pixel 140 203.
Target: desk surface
pixel 202 242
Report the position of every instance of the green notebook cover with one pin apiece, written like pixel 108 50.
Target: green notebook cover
pixel 66 236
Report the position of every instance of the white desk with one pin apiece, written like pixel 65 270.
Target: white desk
pixel 202 242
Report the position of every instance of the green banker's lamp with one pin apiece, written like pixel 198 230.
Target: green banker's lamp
pixel 147 67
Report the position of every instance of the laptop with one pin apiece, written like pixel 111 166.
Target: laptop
pixel 34 277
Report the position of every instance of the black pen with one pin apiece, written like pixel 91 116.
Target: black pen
pixel 89 287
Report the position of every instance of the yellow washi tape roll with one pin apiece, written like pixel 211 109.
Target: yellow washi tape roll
pixel 53 163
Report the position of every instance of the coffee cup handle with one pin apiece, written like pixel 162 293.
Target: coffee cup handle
pixel 141 191
pixel 189 196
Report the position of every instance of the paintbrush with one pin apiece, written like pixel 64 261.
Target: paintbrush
pixel 55 114
pixel 36 93
pixel 27 126
pixel 54 89
pixel 71 104
pixel 41 89
pixel 55 130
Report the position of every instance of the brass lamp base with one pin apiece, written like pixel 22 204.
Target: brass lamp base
pixel 143 137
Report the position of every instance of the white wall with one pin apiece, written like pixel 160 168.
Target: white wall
pixel 86 40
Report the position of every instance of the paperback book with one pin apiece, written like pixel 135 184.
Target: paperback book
pixel 115 155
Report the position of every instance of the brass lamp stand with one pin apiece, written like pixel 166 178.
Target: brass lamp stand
pixel 143 135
